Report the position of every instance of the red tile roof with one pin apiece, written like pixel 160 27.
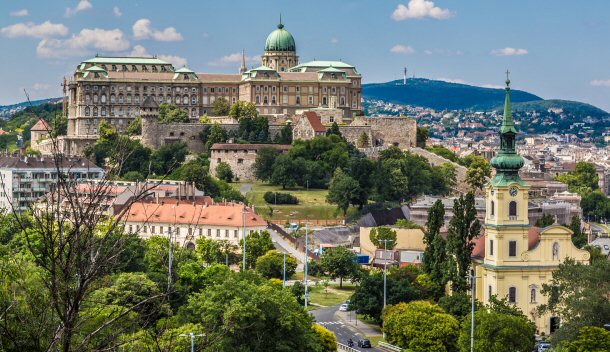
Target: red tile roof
pixel 41 125
pixel 314 121
pixel 187 213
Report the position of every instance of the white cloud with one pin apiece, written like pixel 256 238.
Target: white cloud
pixel 83 43
pixel 418 9
pixel 402 49
pixel 143 29
pixel 19 13
pixel 82 6
pixel 40 86
pixel 235 58
pixel 117 11
pixel 451 80
pixel 139 51
pixel 334 41
pixel 177 61
pixel 29 29
pixel 601 82
pixel 509 52
pixel 492 86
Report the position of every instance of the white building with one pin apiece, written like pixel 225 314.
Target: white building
pixel 23 179
pixel 189 221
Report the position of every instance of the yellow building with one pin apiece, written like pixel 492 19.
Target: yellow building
pixel 513 259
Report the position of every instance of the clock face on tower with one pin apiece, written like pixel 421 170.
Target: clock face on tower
pixel 513 191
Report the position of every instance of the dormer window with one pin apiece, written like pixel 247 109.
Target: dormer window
pixel 154 68
pixel 114 68
pixel 124 68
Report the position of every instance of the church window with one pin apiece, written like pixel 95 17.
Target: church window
pixel 489 293
pixel 491 247
pixel 87 111
pixel 493 209
pixel 512 295
pixel 533 294
pixel 556 251
pixel 94 111
pixel 512 248
pixel 512 210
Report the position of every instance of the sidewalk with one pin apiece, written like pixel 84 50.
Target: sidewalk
pixel 300 256
pixel 366 329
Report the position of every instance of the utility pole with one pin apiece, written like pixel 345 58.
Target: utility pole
pixel 385 273
pixel 169 272
pixel 244 250
pixel 284 268
pixel 306 291
pixel 192 336
pixel 472 287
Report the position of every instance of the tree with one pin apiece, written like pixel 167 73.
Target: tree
pixel 168 157
pixel 263 165
pixel 339 262
pixel 363 140
pixel 478 171
pixel 212 135
pixel 243 109
pixel 286 171
pixel 582 180
pixel 403 324
pixel 224 172
pixel 221 107
pixel 458 304
pixel 343 191
pixel 215 252
pixel 271 265
pixel 545 220
pixel 257 244
pixel 447 179
pixel 463 228
pixel 328 339
pixel 243 312
pixel 435 254
pixel 579 238
pixel 498 332
pixel 590 339
pixel 444 152
pixel 334 130
pixel 379 236
pixel 422 136
pixel 285 135
pixel 169 113
pixel 578 295
pixel 135 127
pixel 407 224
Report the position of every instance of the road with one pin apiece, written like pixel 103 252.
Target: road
pixel 281 244
pixel 245 188
pixel 327 318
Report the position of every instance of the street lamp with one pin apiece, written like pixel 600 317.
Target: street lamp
pixel 284 268
pixel 244 250
pixel 192 336
pixel 472 286
pixel 306 291
pixel 385 272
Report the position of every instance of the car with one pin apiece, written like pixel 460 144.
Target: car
pixel 364 343
pixel 347 301
pixel 343 307
pixel 544 346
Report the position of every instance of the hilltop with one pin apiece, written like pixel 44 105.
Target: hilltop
pixel 441 95
pixel 7 111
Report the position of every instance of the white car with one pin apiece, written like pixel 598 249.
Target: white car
pixel 343 307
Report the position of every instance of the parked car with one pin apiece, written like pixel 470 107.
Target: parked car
pixel 544 346
pixel 364 343
pixel 343 307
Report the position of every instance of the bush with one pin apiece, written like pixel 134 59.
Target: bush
pixel 224 172
pixel 280 198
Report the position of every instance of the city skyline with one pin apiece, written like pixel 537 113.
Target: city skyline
pixel 470 42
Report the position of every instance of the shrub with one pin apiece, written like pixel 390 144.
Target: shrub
pixel 280 198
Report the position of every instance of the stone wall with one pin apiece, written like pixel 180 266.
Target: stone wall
pixel 398 131
pixel 240 157
pixel 352 133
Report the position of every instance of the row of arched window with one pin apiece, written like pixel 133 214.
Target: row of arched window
pixel 512 294
pixel 512 209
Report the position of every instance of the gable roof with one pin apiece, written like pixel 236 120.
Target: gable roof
pixel 41 125
pixel 314 121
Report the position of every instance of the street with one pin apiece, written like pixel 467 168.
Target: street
pixel 327 318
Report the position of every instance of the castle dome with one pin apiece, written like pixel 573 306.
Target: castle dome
pixel 280 40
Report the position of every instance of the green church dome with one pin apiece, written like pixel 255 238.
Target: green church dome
pixel 280 40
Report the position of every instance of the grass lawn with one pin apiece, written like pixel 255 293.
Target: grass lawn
pixel 335 295
pixel 312 204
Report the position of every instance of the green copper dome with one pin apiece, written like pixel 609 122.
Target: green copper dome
pixel 280 40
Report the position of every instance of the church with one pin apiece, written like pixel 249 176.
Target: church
pixel 513 259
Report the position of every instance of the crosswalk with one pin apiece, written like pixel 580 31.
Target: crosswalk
pixel 331 323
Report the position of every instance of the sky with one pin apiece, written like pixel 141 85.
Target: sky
pixel 556 49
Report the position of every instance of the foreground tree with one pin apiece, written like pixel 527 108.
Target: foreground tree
pixel 271 265
pixel 435 254
pixel 343 191
pixel 339 262
pixel 224 172
pixel 463 228
pixel 590 339
pixel 579 238
pixel 403 324
pixel 221 107
pixel 263 165
pixel 478 171
pixel 498 332
pixel 257 244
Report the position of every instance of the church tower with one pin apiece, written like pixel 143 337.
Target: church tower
pixel 280 50
pixel 506 218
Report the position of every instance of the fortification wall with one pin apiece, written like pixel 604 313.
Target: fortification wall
pixel 398 131
pixel 353 133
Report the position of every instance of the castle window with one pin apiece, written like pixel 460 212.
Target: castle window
pixel 169 99
pixel 324 100
pixel 512 248
pixel 212 90
pixel 342 101
pixel 512 210
pixel 273 101
pixel 137 99
pixel 154 68
pixel 104 111
pixel 103 98
pixel 134 68
pixel 87 111
pixel 185 99
pixel 273 89
pixel 171 134
pixel 258 88
pixel 334 90
pixel 265 100
pixel 333 76
pixel 512 295
pixel 121 99
pixel 112 111
pixel 298 89
pixel 193 100
pixel 160 99
pixel 491 247
pixel 112 99
pixel 233 100
pixel 240 161
pixel 266 89
pixel 181 134
pixel 556 251
pixel 310 100
pixel 129 99
pixel 87 99
pixel 95 99
pixel 331 119
pixel 94 111
pixel 285 89
pixel 298 100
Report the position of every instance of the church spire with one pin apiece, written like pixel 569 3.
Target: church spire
pixel 243 67
pixel 508 124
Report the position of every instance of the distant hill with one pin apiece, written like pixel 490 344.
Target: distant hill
pixel 572 108
pixel 8 110
pixel 440 95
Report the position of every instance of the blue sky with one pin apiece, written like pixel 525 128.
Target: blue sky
pixel 554 48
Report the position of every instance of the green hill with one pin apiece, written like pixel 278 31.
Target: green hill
pixel 440 95
pixel 572 108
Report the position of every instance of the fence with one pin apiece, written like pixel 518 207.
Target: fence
pixel 322 222
pixel 342 347
pixel 386 347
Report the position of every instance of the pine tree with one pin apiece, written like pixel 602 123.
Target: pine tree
pixel 463 228
pixel 434 255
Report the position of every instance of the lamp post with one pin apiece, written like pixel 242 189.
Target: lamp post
pixel 284 268
pixel 244 238
pixel 385 273
pixel 306 291
pixel 472 286
pixel 192 336
pixel 169 271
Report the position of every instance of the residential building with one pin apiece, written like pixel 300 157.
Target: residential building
pixel 513 260
pixel 409 248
